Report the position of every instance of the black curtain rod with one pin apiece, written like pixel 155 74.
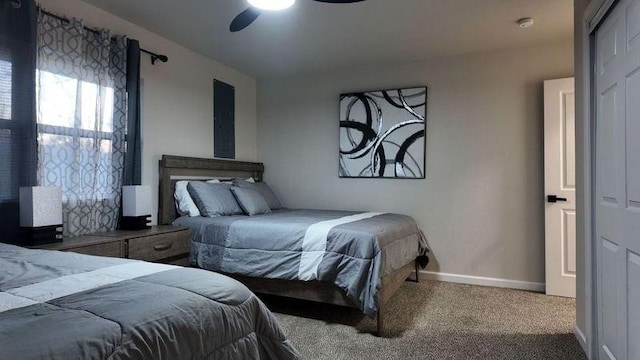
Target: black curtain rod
pixel 154 56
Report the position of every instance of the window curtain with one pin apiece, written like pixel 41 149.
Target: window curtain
pixel 133 156
pixel 17 110
pixel 82 120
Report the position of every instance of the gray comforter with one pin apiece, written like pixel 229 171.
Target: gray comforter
pixel 56 305
pixel 349 249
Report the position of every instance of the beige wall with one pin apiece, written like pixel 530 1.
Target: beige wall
pixel 177 99
pixel 481 204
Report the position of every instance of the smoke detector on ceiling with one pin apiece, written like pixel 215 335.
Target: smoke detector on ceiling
pixel 525 23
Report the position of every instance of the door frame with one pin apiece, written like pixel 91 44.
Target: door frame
pixel 594 15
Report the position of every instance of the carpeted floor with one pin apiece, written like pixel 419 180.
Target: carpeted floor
pixel 436 320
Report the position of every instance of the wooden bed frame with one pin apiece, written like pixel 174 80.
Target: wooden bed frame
pixel 175 168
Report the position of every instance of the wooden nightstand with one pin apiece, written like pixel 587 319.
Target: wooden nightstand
pixel 89 245
pixel 165 243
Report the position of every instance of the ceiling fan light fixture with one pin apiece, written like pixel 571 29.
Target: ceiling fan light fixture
pixel 271 4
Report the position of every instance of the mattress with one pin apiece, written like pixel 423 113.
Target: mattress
pixel 56 305
pixel 352 250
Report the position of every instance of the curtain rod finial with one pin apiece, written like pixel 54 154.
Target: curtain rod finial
pixel 162 58
pixel 155 57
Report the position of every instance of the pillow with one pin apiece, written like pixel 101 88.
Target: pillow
pixel 251 201
pixel 232 180
pixel 213 199
pixel 263 189
pixel 184 202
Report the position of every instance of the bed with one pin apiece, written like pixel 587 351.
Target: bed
pixel 356 259
pixel 56 305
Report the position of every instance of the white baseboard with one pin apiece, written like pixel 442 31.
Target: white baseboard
pixel 484 281
pixel 582 339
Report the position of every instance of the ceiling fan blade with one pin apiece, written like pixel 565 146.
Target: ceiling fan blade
pixel 339 1
pixel 244 19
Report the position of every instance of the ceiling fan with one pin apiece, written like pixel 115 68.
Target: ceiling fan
pixel 256 8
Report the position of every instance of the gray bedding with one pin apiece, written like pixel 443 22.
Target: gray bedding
pixel 56 305
pixel 349 249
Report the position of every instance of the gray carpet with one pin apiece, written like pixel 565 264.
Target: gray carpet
pixel 436 320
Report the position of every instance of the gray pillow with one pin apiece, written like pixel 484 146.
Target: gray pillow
pixel 251 201
pixel 213 199
pixel 263 189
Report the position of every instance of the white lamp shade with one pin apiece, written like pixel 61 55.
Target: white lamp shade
pixel 40 206
pixel 136 200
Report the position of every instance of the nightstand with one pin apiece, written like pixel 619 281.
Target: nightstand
pixel 164 243
pixel 88 245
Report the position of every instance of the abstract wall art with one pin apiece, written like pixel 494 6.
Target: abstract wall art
pixel 383 134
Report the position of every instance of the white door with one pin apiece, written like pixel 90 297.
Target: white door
pixel 617 182
pixel 560 187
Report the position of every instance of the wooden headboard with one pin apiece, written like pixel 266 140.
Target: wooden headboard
pixel 175 168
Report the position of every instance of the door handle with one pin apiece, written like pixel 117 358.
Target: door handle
pixel 555 198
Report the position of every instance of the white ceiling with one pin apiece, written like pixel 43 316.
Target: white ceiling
pixel 313 36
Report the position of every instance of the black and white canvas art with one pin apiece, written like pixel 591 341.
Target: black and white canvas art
pixel 383 133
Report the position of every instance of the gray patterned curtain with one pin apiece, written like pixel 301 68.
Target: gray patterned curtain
pixel 82 120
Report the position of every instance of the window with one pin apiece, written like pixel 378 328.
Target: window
pixel 6 143
pixel 5 90
pixel 59 99
pixel 75 125
pixel 16 131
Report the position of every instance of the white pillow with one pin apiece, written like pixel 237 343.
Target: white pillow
pixel 184 202
pixel 230 182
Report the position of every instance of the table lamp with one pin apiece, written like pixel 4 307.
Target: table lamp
pixel 136 207
pixel 41 214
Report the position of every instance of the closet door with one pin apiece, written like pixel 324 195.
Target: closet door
pixel 617 200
